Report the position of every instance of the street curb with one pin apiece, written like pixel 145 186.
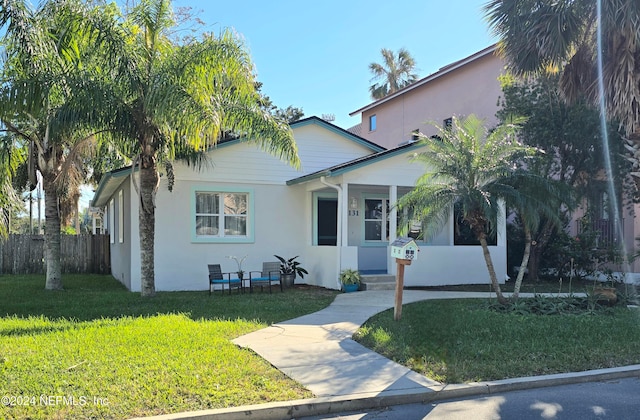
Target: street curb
pixel 331 405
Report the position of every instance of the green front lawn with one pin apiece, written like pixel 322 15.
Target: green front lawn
pixel 457 341
pixel 96 350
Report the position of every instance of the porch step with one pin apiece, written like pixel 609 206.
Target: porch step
pixel 378 282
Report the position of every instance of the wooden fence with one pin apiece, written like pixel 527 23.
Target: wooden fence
pixel 24 254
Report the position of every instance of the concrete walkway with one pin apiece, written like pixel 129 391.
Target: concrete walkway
pixel 317 351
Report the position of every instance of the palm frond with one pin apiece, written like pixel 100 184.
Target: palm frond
pixel 469 167
pixel 396 72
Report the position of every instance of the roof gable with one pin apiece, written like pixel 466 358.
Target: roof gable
pixel 313 120
pixel 338 130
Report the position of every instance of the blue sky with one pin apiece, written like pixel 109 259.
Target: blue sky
pixel 315 55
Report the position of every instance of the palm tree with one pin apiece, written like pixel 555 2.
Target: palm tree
pixel 562 36
pixel 172 100
pixel 474 169
pixel 536 203
pixel 393 74
pixel 41 58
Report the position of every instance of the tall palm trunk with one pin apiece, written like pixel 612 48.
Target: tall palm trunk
pixel 492 272
pixel 523 265
pixel 536 252
pixel 52 234
pixel 147 220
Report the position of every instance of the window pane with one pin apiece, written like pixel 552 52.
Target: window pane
pixel 372 123
pixel 235 204
pixel 235 225
pixel 372 230
pixel 207 203
pixel 207 225
pixel 373 209
pixel 221 214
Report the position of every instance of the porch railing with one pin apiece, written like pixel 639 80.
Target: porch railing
pixel 605 231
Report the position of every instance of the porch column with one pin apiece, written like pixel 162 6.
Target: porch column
pixel 344 211
pixel 393 227
pixel 393 214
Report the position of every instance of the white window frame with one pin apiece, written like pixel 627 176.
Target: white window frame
pixel 384 234
pixel 120 216
pixel 221 237
pixel 112 206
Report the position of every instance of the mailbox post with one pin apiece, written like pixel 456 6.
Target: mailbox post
pixel 405 250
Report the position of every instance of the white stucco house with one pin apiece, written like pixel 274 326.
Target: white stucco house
pixel 335 213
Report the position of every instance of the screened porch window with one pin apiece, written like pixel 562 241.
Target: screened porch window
pixel 462 234
pixel 376 219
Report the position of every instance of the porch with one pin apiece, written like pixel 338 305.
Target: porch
pixel 353 219
pixel 353 225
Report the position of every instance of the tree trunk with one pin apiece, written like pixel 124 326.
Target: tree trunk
pixel 52 235
pixel 534 263
pixel 147 217
pixel 523 265
pixel 537 250
pixel 492 271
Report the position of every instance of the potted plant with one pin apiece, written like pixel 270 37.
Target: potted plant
pixel 350 280
pixel 289 269
pixel 239 262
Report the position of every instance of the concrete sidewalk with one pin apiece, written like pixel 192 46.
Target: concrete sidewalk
pixel 317 351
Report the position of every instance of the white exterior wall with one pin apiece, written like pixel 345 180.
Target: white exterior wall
pixel 180 264
pixel 283 220
pixel 318 148
pixel 282 215
pixel 121 251
pixel 446 265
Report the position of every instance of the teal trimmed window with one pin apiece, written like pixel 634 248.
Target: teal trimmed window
pixel 222 215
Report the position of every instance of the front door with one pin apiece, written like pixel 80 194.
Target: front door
pixel 327 224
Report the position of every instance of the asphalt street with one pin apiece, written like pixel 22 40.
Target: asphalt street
pixel 614 399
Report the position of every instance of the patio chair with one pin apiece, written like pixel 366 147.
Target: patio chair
pixel 217 278
pixel 269 275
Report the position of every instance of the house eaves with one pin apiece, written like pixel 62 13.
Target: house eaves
pixel 441 72
pixel 109 184
pixel 356 163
